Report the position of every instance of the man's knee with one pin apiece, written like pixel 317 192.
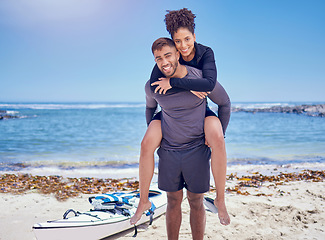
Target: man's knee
pixel 195 200
pixel 175 199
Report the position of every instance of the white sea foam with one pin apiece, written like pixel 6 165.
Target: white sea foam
pixel 133 172
pixel 58 106
pixel 12 112
pixel 124 105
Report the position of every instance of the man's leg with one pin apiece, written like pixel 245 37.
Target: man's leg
pixel 149 144
pixel 214 136
pixel 197 215
pixel 174 214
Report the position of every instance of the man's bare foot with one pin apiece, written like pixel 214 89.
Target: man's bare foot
pixel 142 207
pixel 222 212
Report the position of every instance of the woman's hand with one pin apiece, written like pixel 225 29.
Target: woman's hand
pixel 163 85
pixel 200 95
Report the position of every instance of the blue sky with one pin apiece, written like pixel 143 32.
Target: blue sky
pixel 99 50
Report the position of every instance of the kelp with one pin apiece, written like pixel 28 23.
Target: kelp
pixel 64 188
pixel 257 180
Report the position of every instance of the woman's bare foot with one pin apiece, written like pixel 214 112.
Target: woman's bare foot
pixel 142 207
pixel 222 212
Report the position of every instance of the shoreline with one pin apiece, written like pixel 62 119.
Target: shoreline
pixel 287 206
pixel 131 170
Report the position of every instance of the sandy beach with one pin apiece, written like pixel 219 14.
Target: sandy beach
pixel 261 207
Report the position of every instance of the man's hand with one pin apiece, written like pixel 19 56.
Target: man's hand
pixel 200 95
pixel 163 85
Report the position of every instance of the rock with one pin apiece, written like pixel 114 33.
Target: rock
pixel 317 110
pixel 4 115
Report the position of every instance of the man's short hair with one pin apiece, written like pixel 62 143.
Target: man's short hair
pixel 161 42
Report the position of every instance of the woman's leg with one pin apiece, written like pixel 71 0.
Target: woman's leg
pixel 150 142
pixel 215 139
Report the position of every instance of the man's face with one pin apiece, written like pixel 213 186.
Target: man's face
pixel 167 60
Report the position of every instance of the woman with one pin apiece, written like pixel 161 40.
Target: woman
pixel 180 24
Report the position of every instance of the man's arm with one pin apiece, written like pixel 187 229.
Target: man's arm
pixel 151 103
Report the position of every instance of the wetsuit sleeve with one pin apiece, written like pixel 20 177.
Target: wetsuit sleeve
pixel 220 97
pixel 151 103
pixel 205 84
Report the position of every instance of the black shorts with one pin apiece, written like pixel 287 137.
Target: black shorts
pixel 157 116
pixel 208 113
pixel 188 168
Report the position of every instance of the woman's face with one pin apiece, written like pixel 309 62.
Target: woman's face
pixel 184 41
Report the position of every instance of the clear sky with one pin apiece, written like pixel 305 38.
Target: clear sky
pixel 99 50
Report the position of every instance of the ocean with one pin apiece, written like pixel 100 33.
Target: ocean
pixel 103 139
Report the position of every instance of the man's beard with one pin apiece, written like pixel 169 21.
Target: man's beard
pixel 174 66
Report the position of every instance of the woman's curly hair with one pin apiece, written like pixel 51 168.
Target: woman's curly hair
pixel 179 18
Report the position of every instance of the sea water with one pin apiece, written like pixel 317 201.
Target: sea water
pixel 90 138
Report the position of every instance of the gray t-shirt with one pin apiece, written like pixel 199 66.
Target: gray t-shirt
pixel 183 113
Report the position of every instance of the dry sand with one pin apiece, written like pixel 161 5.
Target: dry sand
pixel 294 211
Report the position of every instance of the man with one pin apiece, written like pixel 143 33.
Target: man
pixel 183 155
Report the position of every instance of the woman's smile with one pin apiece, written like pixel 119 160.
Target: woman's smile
pixel 184 41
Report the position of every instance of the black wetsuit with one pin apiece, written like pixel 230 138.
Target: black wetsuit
pixel 203 60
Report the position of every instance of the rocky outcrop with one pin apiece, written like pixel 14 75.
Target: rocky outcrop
pixel 5 115
pixel 317 110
